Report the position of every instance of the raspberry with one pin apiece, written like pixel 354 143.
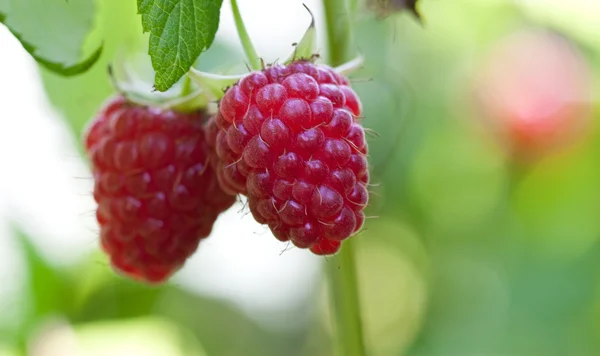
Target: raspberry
pixel 534 107
pixel 157 197
pixel 288 137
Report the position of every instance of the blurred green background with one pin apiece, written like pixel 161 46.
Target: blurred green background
pixel 463 255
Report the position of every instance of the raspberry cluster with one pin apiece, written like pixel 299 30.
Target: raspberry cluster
pixel 157 196
pixel 288 137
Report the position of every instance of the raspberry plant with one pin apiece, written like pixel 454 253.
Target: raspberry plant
pixel 168 153
pixel 287 136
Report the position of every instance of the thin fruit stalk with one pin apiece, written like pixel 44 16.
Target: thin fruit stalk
pixel 342 276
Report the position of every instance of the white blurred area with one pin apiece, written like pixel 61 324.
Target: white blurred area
pixel 46 187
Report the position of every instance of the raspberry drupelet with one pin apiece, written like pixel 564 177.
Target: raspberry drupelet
pixel 157 196
pixel 288 137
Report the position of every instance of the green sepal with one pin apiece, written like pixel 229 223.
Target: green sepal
pixel 130 83
pixel 351 66
pixel 214 84
pixel 307 47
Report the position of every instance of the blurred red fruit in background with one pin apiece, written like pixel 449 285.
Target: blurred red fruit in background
pixel 534 91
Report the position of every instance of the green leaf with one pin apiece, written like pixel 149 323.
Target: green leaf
pixel 48 290
pixel 180 30
pixel 63 70
pixel 144 335
pixel 78 98
pixel 54 32
pixel 212 321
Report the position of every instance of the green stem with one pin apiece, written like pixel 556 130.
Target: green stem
pixel 352 8
pixel 343 280
pixel 339 36
pixel 249 50
pixel 343 289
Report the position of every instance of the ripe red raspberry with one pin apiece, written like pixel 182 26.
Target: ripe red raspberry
pixel 227 174
pixel 534 106
pixel 156 195
pixel 289 139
